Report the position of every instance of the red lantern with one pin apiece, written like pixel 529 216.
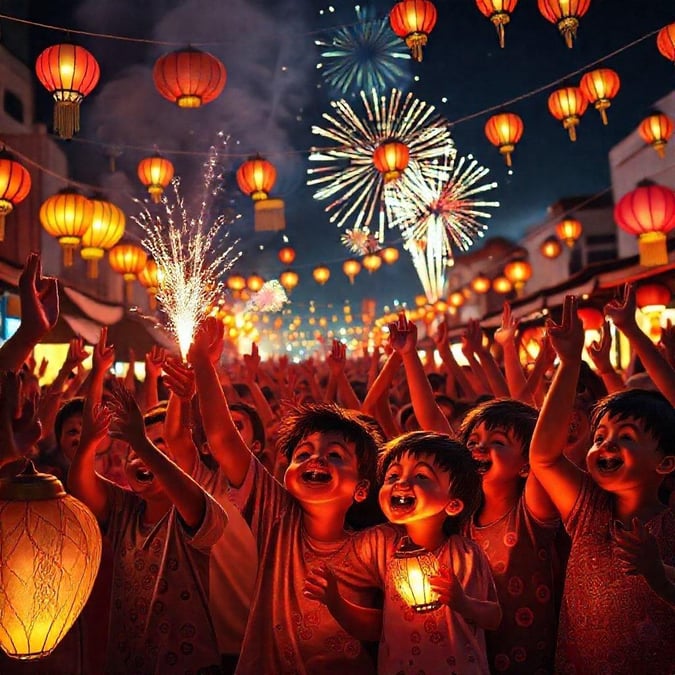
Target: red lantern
pixel 390 159
pixel 155 173
pixel 499 12
pixel 413 20
pixel 289 279
pixel 599 87
pixel 189 77
pixel 591 318
pixel 15 185
pixel 649 213
pixel 481 284
pixel 657 130
pixel 69 73
pixel 256 177
pixel 665 41
pixel 652 297
pixel 236 282
pixel 565 14
pixel 504 131
pixel 287 255
pixel 129 261
pixel 568 105
pixel 501 285
pixel 550 248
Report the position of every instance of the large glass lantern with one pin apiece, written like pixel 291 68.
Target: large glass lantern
pixel 410 570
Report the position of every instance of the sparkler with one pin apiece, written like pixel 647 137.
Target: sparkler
pixel 349 178
pixel 186 250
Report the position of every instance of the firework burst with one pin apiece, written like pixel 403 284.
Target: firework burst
pixel 189 252
pixel 364 55
pixel 360 242
pixel 348 177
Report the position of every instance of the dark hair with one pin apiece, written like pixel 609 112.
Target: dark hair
pixel 405 412
pixel 590 388
pixel 254 418
pixel 156 414
pixel 444 399
pixel 450 456
pixel 437 381
pixel 651 408
pixel 502 413
pixel 242 389
pixel 72 408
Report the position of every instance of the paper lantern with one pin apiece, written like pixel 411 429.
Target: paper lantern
pixel 286 255
pixel 106 229
pixel 501 285
pixel 256 178
pixel 155 173
pixel 351 268
pixel 550 248
pixel 236 282
pixel 456 299
pixel 15 184
pixel 440 306
pixel 51 551
pixel 151 277
pixel 652 297
pixel 255 282
pixel 569 230
pixel 481 284
pixel 413 20
pixel 591 318
pixel 69 73
pixel 372 262
pixel 390 159
pixel 67 215
pixel 504 130
pixel 565 14
pixel 128 260
pixel 289 279
pixel 600 87
pixel 657 130
pixel 189 77
pixel 665 41
pixel 321 274
pixel 648 212
pixel 410 570
pixel 499 12
pixel 518 272
pixel 567 105
pixel 390 254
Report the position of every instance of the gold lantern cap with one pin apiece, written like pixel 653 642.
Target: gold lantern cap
pixel 31 485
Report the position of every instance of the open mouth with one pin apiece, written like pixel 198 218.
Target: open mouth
pixel 321 477
pixel 402 502
pixel 144 476
pixel 483 465
pixel 609 464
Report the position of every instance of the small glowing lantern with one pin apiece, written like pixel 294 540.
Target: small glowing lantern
pixel 550 248
pixel 504 130
pixel 657 130
pixel 390 255
pixel 649 213
pixel 652 299
pixel 372 262
pixel 67 216
pixel 351 268
pixel 665 41
pixel 518 272
pixel 591 318
pixel 236 282
pixel 189 77
pixel 289 279
pixel 420 300
pixel 456 299
pixel 410 570
pixel 567 105
pixel 255 282
pixel 440 307
pixel 155 173
pixel 15 184
pixel 128 260
pixel 51 550
pixel 256 178
pixel 321 274
pixel 565 14
pixel 600 87
pixel 499 12
pixel 391 159
pixel 69 73
pixel 106 229
pixel 569 230
pixel 481 284
pixel 151 277
pixel 286 255
pixel 413 20
pixel 501 285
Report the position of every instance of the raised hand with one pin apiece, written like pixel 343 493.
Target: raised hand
pixel 599 350
pixel 440 337
pixel 403 335
pixel 567 337
pixel 321 584
pixel 622 310
pixel 179 378
pixel 472 339
pixel 638 553
pixel 103 356
pixel 39 299
pixel 127 418
pixel 506 333
pixel 76 353
pixel 449 590
pixel 208 340
pixel 252 362
pixel 154 360
pixel 337 358
pixel 95 427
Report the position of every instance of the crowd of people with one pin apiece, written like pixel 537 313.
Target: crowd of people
pixel 255 514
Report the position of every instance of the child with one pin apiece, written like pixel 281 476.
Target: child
pixel 331 457
pixel 161 532
pixel 429 488
pixel 617 614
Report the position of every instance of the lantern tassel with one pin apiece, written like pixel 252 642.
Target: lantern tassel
pixel 67 255
pixel 500 20
pixel 67 118
pixel 653 251
pixel 92 268
pixel 2 226
pixel 415 42
pixel 660 147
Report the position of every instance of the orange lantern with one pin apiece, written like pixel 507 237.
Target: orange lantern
pixel 518 272
pixel 499 12
pixel 480 283
pixel 372 262
pixel 456 299
pixel 652 297
pixel 151 277
pixel 665 41
pixel 599 87
pixel 289 279
pixel 189 77
pixel 390 255
pixel 15 184
pixel 550 248
pixel 155 173
pixel 235 282
pixel 649 213
pixel 351 268
pixel 565 14
pixel 255 282
pixel 106 229
pixel 657 130
pixel 501 285
pixel 504 131
pixel 67 216
pixel 568 105
pixel 69 73
pixel 420 300
pixel 569 230
pixel 413 20
pixel 128 260
pixel 286 255
pixel 440 306
pixel 390 159
pixel 256 178
pixel 321 274
pixel 591 318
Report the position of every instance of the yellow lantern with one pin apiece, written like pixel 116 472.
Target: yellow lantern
pixel 289 279
pixel 501 285
pixel 391 159
pixel 372 262
pixel 128 260
pixel 236 282
pixel 15 184
pixel 106 229
pixel 67 216
pixel 550 248
pixel 456 299
pixel 420 300
pixel 518 272
pixel 321 274
pixel 151 277
pixel 504 130
pixel 51 550
pixel 351 268
pixel 389 255
pixel 481 284
pixel 569 230
pixel 410 569
pixel 256 177
pixel 656 130
pixel 440 306
pixel 600 87
pixel 155 173
pixel 568 105
pixel 255 282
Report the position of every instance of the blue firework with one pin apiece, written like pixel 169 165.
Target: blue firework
pixel 364 55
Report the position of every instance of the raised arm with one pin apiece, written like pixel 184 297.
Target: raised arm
pixel 251 368
pixel 336 362
pixel 154 361
pixel 599 352
pixel 495 378
pixel 505 336
pixel 454 370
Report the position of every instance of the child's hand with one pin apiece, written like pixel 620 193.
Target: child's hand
pixel 179 379
pixel 403 335
pixel 622 310
pixel 76 353
pixel 103 356
pixel 599 351
pixel 252 362
pixel 321 584
pixel 95 428
pixel 127 418
pixel 337 358
pixel 506 333
pixel 567 337
pixel 472 339
pixel 39 299
pixel 154 360
pixel 208 341
pixel 638 553
pixel 449 590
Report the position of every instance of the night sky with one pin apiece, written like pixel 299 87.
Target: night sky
pixel 272 99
